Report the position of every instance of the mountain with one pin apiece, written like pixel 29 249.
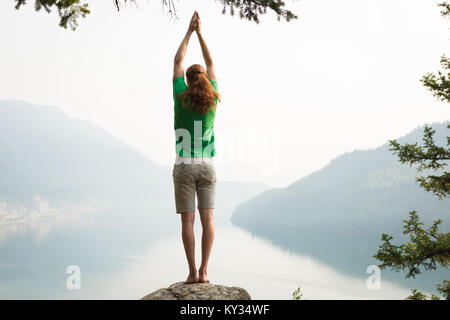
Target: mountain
pixel 45 152
pixel 339 212
pixel 46 155
pixel 363 191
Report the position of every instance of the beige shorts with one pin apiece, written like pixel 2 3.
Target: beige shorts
pixel 189 179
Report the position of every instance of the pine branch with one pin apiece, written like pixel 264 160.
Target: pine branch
pixel 428 156
pixel 426 248
pixel 70 10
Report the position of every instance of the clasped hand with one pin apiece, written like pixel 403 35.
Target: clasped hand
pixel 195 23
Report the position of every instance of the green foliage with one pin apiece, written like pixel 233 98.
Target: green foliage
pixel 416 295
pixel 426 248
pixel 428 156
pixel 251 10
pixel 444 288
pixel 70 10
pixel 446 9
pixel 297 294
pixel 439 84
pixel 248 9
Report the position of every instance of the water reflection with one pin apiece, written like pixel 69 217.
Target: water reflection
pixel 263 269
pixel 349 254
pixel 128 256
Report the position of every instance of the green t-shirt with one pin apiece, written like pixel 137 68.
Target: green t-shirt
pixel 194 132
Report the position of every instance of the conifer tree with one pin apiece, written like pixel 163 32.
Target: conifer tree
pixel 427 248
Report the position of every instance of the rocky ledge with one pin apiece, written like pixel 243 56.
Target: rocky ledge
pixel 198 291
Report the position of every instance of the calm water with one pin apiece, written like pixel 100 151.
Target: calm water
pixel 130 255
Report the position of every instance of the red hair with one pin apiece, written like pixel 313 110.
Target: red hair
pixel 199 90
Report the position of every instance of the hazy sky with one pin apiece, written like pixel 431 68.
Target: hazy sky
pixel 344 76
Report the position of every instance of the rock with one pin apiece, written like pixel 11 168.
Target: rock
pixel 198 291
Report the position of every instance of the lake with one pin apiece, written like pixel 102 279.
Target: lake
pixel 126 256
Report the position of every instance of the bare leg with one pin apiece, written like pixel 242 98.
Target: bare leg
pixel 187 233
pixel 207 218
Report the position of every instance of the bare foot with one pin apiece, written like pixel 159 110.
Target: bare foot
pixel 202 276
pixel 192 278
